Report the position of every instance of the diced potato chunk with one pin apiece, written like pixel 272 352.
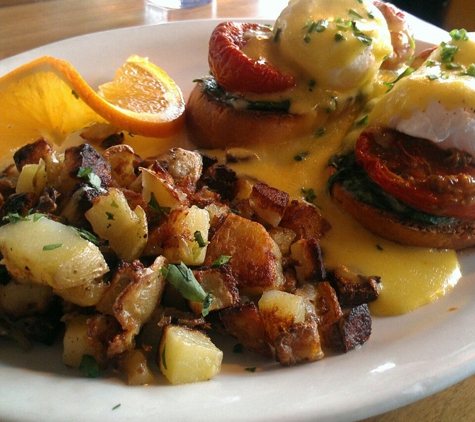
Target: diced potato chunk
pixel 48 252
pixel 269 203
pixel 280 311
pixel 87 294
pixel 33 178
pixel 113 220
pixel 160 184
pixel 187 355
pixel 75 341
pixel 187 225
pixel 137 369
pixel 256 260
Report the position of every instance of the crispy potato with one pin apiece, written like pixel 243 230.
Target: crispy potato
pixel 256 260
pixel 33 178
pixel 181 244
pixel 25 298
pixel 187 355
pixel 280 311
pixel 87 294
pixel 48 252
pixel 75 342
pixel 113 220
pixel 158 186
pixel 309 262
pixel 137 369
pixel 269 203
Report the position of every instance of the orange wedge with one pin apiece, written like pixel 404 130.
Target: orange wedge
pixel 48 98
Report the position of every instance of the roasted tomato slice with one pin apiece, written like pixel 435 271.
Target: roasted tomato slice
pixel 234 70
pixel 419 173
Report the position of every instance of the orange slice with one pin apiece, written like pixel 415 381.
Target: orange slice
pixel 48 98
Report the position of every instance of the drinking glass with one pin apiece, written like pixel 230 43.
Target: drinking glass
pixel 177 4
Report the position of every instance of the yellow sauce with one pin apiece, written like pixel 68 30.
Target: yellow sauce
pixel 410 277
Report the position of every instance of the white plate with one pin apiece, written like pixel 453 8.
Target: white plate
pixel 408 357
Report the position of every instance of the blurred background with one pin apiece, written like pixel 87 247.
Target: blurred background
pixel 447 14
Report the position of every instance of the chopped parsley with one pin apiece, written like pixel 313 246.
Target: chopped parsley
pixel 222 260
pixel 301 156
pixel 183 279
pixel 52 246
pixel 155 206
pixel 89 366
pixel 90 177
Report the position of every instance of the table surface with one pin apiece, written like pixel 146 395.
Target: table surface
pixel 52 20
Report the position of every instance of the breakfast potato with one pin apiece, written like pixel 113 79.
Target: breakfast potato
pixel 25 298
pixel 256 260
pixel 187 355
pixel 87 294
pixel 159 190
pixel 137 369
pixel 187 236
pixel 280 311
pixel 309 262
pixel 269 203
pixel 76 343
pixel 47 252
pixel 125 229
pixel 32 178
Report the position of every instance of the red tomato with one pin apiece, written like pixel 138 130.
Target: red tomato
pixel 419 173
pixel 234 70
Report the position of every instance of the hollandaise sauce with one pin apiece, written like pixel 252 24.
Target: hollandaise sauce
pixel 410 277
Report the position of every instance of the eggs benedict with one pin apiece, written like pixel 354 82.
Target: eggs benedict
pixel 266 83
pixel 411 175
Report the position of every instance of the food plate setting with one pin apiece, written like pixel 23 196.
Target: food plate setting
pixel 408 357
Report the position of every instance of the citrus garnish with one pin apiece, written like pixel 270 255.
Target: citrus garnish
pixel 48 98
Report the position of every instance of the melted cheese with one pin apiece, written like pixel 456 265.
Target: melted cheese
pixel 411 277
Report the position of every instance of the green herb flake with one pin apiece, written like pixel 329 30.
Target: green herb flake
pixel 89 366
pixel 52 246
pixel 339 37
pixel 116 406
pixel 199 239
pixel 353 13
pixel 309 195
pixel 183 279
pixel 155 206
pixel 301 156
pixel 114 204
pixel 75 94
pixel 379 248
pixel 470 71
pixel 222 260
pixel 251 369
pixel 14 218
pixel 408 71
pixel 447 53
pixel 87 236
pixel 321 25
pixel 93 179
pixel 37 216
pixel 432 77
pixel 320 132
pixel 238 348
pixel 360 36
pixel 459 34
pixel 110 215
pixel 278 31
pixel 363 121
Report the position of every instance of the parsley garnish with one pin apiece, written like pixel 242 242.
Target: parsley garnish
pixel 155 206
pixel 301 156
pixel 93 179
pixel 199 239
pixel 182 278
pixel 89 367
pixel 309 195
pixel 110 215
pixel 222 260
pixel 52 247
pixel 87 235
